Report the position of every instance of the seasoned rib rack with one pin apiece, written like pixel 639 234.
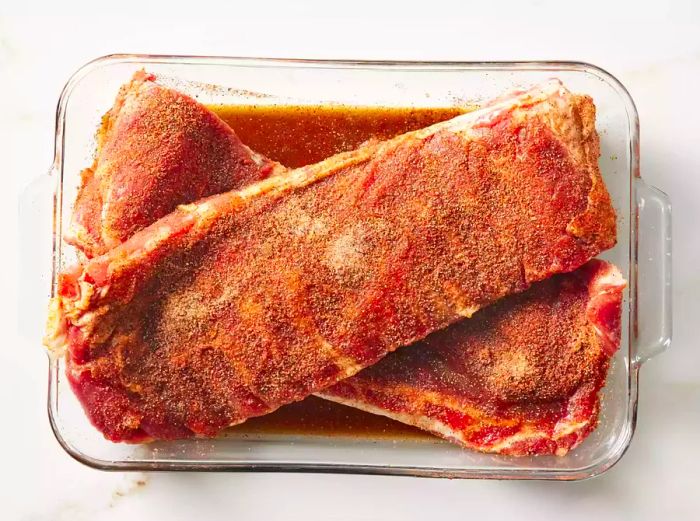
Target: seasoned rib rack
pixel 232 306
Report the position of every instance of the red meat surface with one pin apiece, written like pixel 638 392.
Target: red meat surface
pixel 521 377
pixel 157 148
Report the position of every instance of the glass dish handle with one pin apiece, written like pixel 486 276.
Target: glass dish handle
pixel 36 206
pixel 653 318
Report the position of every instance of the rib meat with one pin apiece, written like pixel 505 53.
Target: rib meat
pixel 521 377
pixel 157 148
pixel 234 305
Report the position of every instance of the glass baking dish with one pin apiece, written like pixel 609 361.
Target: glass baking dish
pixel 642 253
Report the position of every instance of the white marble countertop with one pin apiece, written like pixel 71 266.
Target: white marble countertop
pixel 654 51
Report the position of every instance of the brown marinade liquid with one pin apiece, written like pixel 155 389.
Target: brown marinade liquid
pixel 300 135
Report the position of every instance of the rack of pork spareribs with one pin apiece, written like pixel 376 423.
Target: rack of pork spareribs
pixel 216 285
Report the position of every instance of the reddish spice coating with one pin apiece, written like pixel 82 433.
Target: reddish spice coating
pixel 233 306
pixel 521 377
pixel 157 148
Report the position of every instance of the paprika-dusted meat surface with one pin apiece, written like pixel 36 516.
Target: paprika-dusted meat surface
pixel 521 377
pixel 234 305
pixel 157 148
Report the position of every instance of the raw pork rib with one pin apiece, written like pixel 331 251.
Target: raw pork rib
pixel 234 305
pixel 521 377
pixel 157 148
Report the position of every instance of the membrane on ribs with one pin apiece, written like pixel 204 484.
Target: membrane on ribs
pixel 157 148
pixel 521 377
pixel 232 306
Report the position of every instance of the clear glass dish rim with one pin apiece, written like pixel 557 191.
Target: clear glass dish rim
pixel 281 466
